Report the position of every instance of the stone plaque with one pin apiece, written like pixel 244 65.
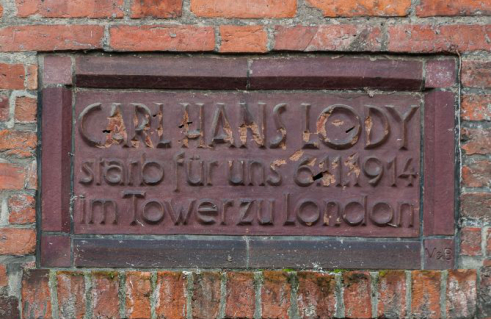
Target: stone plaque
pixel 247 155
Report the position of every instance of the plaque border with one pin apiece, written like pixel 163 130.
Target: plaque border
pixel 435 77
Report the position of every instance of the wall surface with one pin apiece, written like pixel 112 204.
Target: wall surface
pixel 29 28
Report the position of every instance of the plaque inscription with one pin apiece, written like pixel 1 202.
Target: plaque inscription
pixel 247 163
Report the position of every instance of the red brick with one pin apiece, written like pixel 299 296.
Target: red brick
pixel 162 38
pixel 241 295
pixel 50 38
pixel 36 296
pixel 429 8
pixel 426 294
pixel 357 8
pixel 17 241
pixel 32 177
pixel 11 176
pixel 18 143
pixel 251 9
pixel 476 173
pixel 156 8
pixel 171 295
pixel 70 9
pixel 4 280
pixel 206 295
pixel 12 76
pixel 71 295
pixel 392 294
pixel 461 294
pixel 4 107
pixel 476 141
pixel 470 241
pixel 357 294
pixel 105 287
pixel 476 74
pixel 316 296
pixel 1 10
pixel 32 77
pixel 22 209
pixel 476 206
pixel 9 307
pixel 442 38
pixel 138 292
pixel 476 108
pixel 25 109
pixel 243 39
pixel 275 295
pixel 487 262
pixel 488 242
pixel 344 37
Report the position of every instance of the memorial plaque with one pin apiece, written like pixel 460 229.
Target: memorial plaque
pixel 247 154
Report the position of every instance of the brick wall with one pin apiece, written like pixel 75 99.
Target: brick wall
pixel 30 27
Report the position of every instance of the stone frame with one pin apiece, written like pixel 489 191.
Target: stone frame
pixel 434 249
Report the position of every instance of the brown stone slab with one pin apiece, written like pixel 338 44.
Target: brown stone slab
pixel 439 164
pixel 229 172
pixel 335 73
pixel 166 253
pixel 55 251
pixel 440 73
pixel 57 70
pixel 334 254
pixel 161 73
pixel 439 253
pixel 55 159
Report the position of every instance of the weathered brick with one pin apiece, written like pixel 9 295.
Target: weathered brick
pixel 487 262
pixel 488 242
pixel 12 76
pixel 18 143
pixel 476 173
pixel 476 74
pixel 162 38
pixel 71 295
pixel 476 141
pixel 36 296
pixel 32 77
pixel 4 280
pixel 461 294
pixel 251 9
pixel 344 37
pixel 357 8
pixel 50 38
pixel 206 295
pixel 138 292
pixel 438 38
pixel 9 307
pixel 22 209
pixel 25 109
pixel 426 294
pixel 105 287
pixel 476 206
pixel 240 298
pixel 17 241
pixel 156 8
pixel 11 176
pixel 316 296
pixel 171 295
pixel 4 107
pixel 32 177
pixel 275 295
pixel 470 241
pixel 392 294
pixel 476 107
pixel 357 294
pixel 484 293
pixel 70 9
pixel 243 39
pixel 1 10
pixel 429 8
